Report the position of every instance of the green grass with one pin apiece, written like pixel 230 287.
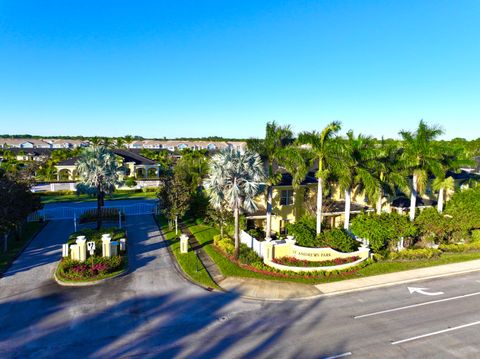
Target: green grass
pixel 86 198
pixel 187 261
pixel 16 246
pixel 204 235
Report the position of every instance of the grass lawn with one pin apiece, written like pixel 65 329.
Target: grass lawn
pixel 188 261
pixel 86 198
pixel 204 235
pixel 15 247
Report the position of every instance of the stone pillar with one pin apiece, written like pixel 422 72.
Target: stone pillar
pixel 267 251
pixel 123 244
pixel 75 252
pixel 106 250
pixel 65 250
pixel 82 248
pixel 183 243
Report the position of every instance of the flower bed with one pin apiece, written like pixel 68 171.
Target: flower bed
pixel 294 262
pixel 94 268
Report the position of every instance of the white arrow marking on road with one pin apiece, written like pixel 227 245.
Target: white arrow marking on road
pixel 422 291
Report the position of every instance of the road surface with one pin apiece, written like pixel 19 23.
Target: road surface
pixel 154 313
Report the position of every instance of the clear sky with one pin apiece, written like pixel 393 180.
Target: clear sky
pixel 200 68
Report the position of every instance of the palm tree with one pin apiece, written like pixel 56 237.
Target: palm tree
pixel 422 158
pixel 388 171
pixel 234 180
pixel 354 170
pixel 99 173
pixel 277 138
pixel 442 184
pixel 321 148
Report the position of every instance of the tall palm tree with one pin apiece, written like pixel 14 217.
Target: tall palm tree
pixel 442 184
pixel 388 171
pixel 354 170
pixel 321 148
pixel 233 181
pixel 271 149
pixel 422 158
pixel 99 173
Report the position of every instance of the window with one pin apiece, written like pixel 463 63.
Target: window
pixel 286 197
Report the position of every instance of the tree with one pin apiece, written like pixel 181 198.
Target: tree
pixel 99 173
pixel 233 181
pixel 16 203
pixel 388 171
pixel 322 148
pixel 354 170
pixel 175 197
pixel 271 149
pixel 422 158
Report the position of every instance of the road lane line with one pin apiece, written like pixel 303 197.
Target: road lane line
pixel 435 333
pixel 339 356
pixel 416 305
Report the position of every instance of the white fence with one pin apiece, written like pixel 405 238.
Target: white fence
pixel 59 213
pixel 252 243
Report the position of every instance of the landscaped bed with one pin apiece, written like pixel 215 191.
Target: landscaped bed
pixel 230 267
pixel 294 262
pixel 96 267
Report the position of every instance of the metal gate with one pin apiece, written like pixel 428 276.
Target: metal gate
pixel 62 213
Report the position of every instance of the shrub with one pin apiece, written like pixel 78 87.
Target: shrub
pixel 415 254
pixel 294 262
pixel 130 182
pixel 106 213
pixel 225 244
pixel 433 225
pixel 304 231
pixel 248 255
pixel 337 239
pixel 460 248
pixel 476 235
pixel 464 207
pixel 383 230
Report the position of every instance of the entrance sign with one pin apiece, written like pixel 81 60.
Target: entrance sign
pixel 91 247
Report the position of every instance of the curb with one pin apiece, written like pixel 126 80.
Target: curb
pixel 15 257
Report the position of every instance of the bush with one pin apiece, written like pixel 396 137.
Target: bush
pixel 130 182
pixel 304 231
pixel 476 235
pixel 383 231
pixel 59 193
pixel 415 254
pixel 257 233
pixel 460 248
pixel 337 239
pixel 248 255
pixel 464 207
pixel 433 225
pixel 294 262
pixel 225 244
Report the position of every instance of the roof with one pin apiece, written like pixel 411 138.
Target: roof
pixel 128 156
pixel 287 179
pixel 404 202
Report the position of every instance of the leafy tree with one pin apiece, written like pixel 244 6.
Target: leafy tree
pixel 175 196
pixel 193 168
pixel 354 170
pixel 16 203
pixel 421 158
pixel 464 207
pixel 276 151
pixel 233 181
pixel 99 173
pixel 323 149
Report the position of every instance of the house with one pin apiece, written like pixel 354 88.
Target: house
pixel 133 165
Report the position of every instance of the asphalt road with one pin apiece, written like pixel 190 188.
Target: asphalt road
pixel 154 312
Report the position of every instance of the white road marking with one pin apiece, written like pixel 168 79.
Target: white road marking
pixel 416 305
pixel 435 333
pixel 422 291
pixel 340 355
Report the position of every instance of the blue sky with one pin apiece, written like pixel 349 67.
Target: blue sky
pixel 201 68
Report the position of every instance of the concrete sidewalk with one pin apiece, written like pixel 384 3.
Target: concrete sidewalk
pixel 278 290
